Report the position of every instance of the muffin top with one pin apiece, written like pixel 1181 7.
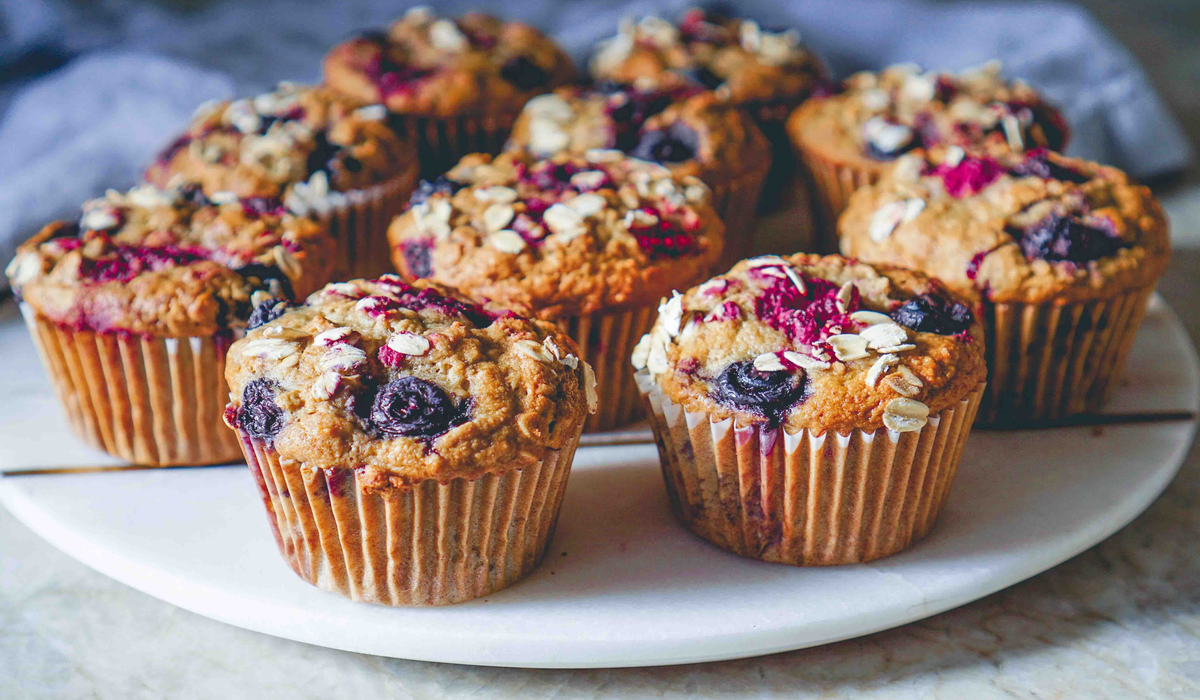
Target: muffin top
pixel 168 262
pixel 877 117
pixel 688 131
pixel 434 66
pixel 298 143
pixel 816 343
pixel 559 237
pixel 1015 228
pixel 407 382
pixel 737 58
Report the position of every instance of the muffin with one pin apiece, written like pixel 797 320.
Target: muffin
pixel 411 448
pixel 767 72
pixel 590 242
pixel 847 138
pixel 317 153
pixel 1062 253
pixel 455 84
pixel 811 410
pixel 689 132
pixel 134 306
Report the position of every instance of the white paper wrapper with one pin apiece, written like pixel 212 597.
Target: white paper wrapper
pixel 358 222
pixel 435 544
pixel 152 401
pixel 1048 361
pixel 806 499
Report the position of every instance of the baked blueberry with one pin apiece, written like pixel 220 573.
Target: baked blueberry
pixel 769 394
pixel 524 73
pixel 1065 239
pixel 417 256
pixel 266 312
pixel 427 188
pixel 1036 164
pixel 413 407
pixel 675 144
pixel 260 417
pixel 929 314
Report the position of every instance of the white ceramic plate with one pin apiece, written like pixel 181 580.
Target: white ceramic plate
pixel 623 584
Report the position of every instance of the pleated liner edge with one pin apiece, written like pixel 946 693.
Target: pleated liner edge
pixel 436 544
pixel 805 499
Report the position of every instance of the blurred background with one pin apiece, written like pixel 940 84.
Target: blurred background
pixel 89 91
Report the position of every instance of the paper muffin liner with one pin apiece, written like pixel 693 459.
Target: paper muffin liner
pixel 152 401
pixel 828 185
pixel 1049 361
pixel 606 342
pixel 736 204
pixel 805 499
pixel 436 544
pixel 441 142
pixel 358 222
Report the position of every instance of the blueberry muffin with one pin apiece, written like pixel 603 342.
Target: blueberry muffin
pixel 850 135
pixel 812 410
pixel 456 84
pixel 412 448
pixel 591 242
pixel 688 132
pixel 133 307
pixel 767 72
pixel 1062 253
pixel 317 153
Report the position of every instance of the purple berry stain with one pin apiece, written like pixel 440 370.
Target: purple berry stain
pixel 418 256
pixel 412 407
pixel 260 417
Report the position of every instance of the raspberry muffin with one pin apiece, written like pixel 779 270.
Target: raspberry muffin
pixel 767 72
pixel 133 308
pixel 411 448
pixel 849 136
pixel 812 410
pixel 690 132
pixel 456 84
pixel 318 154
pixel 591 242
pixel 1063 254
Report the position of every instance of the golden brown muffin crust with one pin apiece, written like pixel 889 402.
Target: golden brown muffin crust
pixel 879 116
pixel 514 388
pixel 724 142
pixel 296 143
pixel 155 262
pixel 433 66
pixel 973 242
pixel 741 337
pixel 600 232
pixel 738 59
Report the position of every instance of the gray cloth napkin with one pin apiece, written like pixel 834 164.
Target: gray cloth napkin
pixel 134 72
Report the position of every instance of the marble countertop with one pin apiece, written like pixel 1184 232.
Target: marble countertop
pixel 1121 620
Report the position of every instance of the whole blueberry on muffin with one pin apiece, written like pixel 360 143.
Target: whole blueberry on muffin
pixel 1062 252
pixel 306 147
pixel 381 411
pixel 851 135
pixel 455 83
pixel 690 133
pixel 831 393
pixel 134 305
pixel 590 241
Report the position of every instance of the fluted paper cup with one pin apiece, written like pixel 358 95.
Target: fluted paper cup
pixel 148 400
pixel 605 342
pixel 805 499
pixel 736 204
pixel 442 142
pixel 1049 361
pixel 358 220
pixel 434 544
